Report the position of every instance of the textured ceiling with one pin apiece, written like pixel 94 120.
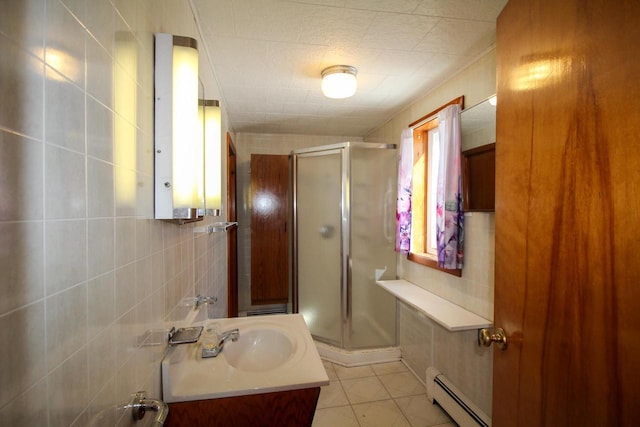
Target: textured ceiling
pixel 268 55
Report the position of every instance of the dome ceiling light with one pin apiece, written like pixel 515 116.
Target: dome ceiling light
pixel 339 81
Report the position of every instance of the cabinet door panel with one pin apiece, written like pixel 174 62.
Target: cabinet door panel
pixel 479 178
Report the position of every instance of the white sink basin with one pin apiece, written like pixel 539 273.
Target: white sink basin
pixel 259 349
pixel 272 353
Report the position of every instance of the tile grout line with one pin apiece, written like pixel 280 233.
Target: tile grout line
pixel 377 376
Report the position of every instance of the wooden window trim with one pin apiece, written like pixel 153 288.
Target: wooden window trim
pixel 459 100
pixel 428 261
pixel 429 121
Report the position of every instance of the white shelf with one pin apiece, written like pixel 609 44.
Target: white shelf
pixel 447 314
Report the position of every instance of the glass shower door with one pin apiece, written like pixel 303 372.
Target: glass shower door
pixel 318 234
pixel 372 239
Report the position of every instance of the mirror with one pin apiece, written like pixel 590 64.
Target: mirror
pixel 478 124
pixel 478 136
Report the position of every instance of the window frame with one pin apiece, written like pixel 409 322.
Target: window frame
pixel 420 128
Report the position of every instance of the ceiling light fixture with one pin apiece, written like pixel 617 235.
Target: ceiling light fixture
pixel 339 81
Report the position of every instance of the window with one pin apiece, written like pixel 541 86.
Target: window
pixel 426 153
pixel 425 177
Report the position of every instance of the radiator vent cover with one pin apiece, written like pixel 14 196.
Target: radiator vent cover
pixel 263 311
pixel 459 407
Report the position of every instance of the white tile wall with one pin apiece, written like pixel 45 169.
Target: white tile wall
pixel 424 343
pixel 86 273
pixel 474 290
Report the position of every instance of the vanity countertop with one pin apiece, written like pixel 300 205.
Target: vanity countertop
pixel 272 353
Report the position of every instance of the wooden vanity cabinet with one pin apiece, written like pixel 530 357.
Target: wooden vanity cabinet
pixel 479 179
pixel 294 408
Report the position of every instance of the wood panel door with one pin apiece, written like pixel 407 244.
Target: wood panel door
pixel 567 278
pixel 269 217
pixel 232 233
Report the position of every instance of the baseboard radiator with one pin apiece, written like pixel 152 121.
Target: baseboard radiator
pixel 264 311
pixel 459 407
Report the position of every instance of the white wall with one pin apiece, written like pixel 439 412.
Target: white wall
pixel 474 290
pixel 86 273
pixel 423 342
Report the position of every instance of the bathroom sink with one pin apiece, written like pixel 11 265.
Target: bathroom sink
pixel 272 353
pixel 259 349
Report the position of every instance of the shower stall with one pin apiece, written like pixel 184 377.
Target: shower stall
pixel 344 234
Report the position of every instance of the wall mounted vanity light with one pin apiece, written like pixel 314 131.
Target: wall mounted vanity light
pixel 179 151
pixel 211 118
pixel 339 81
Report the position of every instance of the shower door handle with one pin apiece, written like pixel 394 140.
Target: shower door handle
pixel 347 295
pixel 326 231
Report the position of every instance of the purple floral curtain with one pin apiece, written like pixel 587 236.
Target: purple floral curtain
pixel 403 207
pixel 449 215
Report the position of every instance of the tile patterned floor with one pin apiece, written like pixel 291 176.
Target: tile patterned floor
pixel 384 395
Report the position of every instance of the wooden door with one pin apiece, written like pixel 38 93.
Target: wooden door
pixel 232 233
pixel 567 278
pixel 269 216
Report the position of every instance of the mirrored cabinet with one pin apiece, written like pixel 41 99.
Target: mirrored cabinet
pixel 478 133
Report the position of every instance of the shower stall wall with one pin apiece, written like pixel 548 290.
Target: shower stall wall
pixel 344 216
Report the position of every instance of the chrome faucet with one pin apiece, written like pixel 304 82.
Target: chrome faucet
pixel 212 350
pixel 204 300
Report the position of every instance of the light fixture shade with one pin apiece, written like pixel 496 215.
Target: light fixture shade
pixel 179 148
pixel 339 81
pixel 212 156
pixel 125 102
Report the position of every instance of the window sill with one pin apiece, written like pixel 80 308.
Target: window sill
pixel 430 261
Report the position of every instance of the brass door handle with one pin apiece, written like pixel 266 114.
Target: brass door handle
pixel 498 336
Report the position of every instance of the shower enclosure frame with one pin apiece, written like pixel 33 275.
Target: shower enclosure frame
pixel 345 231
